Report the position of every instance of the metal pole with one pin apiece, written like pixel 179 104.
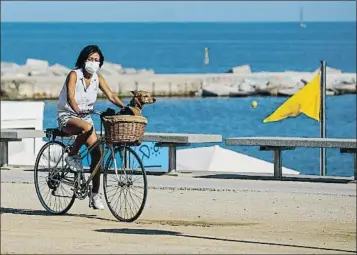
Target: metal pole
pixel 323 118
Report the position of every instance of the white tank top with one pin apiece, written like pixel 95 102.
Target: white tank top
pixel 84 97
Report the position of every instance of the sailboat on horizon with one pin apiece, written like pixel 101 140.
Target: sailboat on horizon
pixel 302 24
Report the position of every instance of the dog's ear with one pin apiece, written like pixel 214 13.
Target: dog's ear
pixel 134 92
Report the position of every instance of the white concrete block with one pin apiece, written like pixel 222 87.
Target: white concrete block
pixel 23 115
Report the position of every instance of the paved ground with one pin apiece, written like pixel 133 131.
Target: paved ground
pixel 187 215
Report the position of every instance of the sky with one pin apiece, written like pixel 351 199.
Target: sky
pixel 176 11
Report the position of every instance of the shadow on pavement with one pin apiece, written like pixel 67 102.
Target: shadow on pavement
pixel 320 179
pixel 135 231
pixel 5 210
pixel 174 233
pixel 45 213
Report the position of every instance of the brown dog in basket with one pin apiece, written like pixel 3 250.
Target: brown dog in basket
pixel 128 126
pixel 137 102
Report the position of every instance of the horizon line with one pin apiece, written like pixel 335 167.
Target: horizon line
pixel 143 21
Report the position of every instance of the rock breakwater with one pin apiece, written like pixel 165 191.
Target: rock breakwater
pixel 39 80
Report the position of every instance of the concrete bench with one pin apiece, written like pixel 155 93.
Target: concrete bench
pixel 13 135
pixel 170 140
pixel 279 144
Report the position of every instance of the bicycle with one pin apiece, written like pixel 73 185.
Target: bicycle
pixel 59 176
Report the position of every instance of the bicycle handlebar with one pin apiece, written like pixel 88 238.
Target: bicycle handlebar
pixel 97 112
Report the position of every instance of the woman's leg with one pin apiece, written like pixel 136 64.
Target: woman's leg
pixel 87 137
pixel 95 156
pixel 82 129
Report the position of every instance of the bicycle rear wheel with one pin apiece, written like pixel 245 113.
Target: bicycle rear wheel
pixel 125 189
pixel 53 182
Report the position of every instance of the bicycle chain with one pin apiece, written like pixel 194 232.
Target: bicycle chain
pixel 80 192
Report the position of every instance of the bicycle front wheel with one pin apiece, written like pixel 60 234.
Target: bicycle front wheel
pixel 53 182
pixel 125 184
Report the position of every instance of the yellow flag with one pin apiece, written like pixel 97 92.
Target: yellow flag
pixel 307 100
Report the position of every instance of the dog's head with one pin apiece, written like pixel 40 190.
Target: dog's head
pixel 142 97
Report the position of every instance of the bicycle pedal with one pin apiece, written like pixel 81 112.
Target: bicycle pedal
pixel 54 192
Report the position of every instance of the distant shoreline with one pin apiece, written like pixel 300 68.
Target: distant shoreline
pixel 39 80
pixel 156 96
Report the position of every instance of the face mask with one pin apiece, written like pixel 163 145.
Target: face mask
pixel 91 67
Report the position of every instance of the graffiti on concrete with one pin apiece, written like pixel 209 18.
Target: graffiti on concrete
pixel 146 152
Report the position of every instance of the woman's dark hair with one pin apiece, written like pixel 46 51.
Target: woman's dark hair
pixel 86 52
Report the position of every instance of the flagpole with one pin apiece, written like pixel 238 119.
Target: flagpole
pixel 323 118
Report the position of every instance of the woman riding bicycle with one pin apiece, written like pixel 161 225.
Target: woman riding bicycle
pixel 77 98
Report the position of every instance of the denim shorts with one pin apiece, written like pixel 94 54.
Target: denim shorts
pixel 64 117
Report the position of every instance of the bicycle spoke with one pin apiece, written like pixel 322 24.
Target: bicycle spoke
pixel 133 199
pixel 116 189
pixel 139 197
pixel 119 200
pixel 126 202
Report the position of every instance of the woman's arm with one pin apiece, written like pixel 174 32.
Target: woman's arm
pixel 112 97
pixel 71 89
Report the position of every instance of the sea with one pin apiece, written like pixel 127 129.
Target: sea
pixel 179 48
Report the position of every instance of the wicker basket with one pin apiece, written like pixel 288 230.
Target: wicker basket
pixel 124 129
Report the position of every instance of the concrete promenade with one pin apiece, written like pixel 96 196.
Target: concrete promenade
pixel 186 215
